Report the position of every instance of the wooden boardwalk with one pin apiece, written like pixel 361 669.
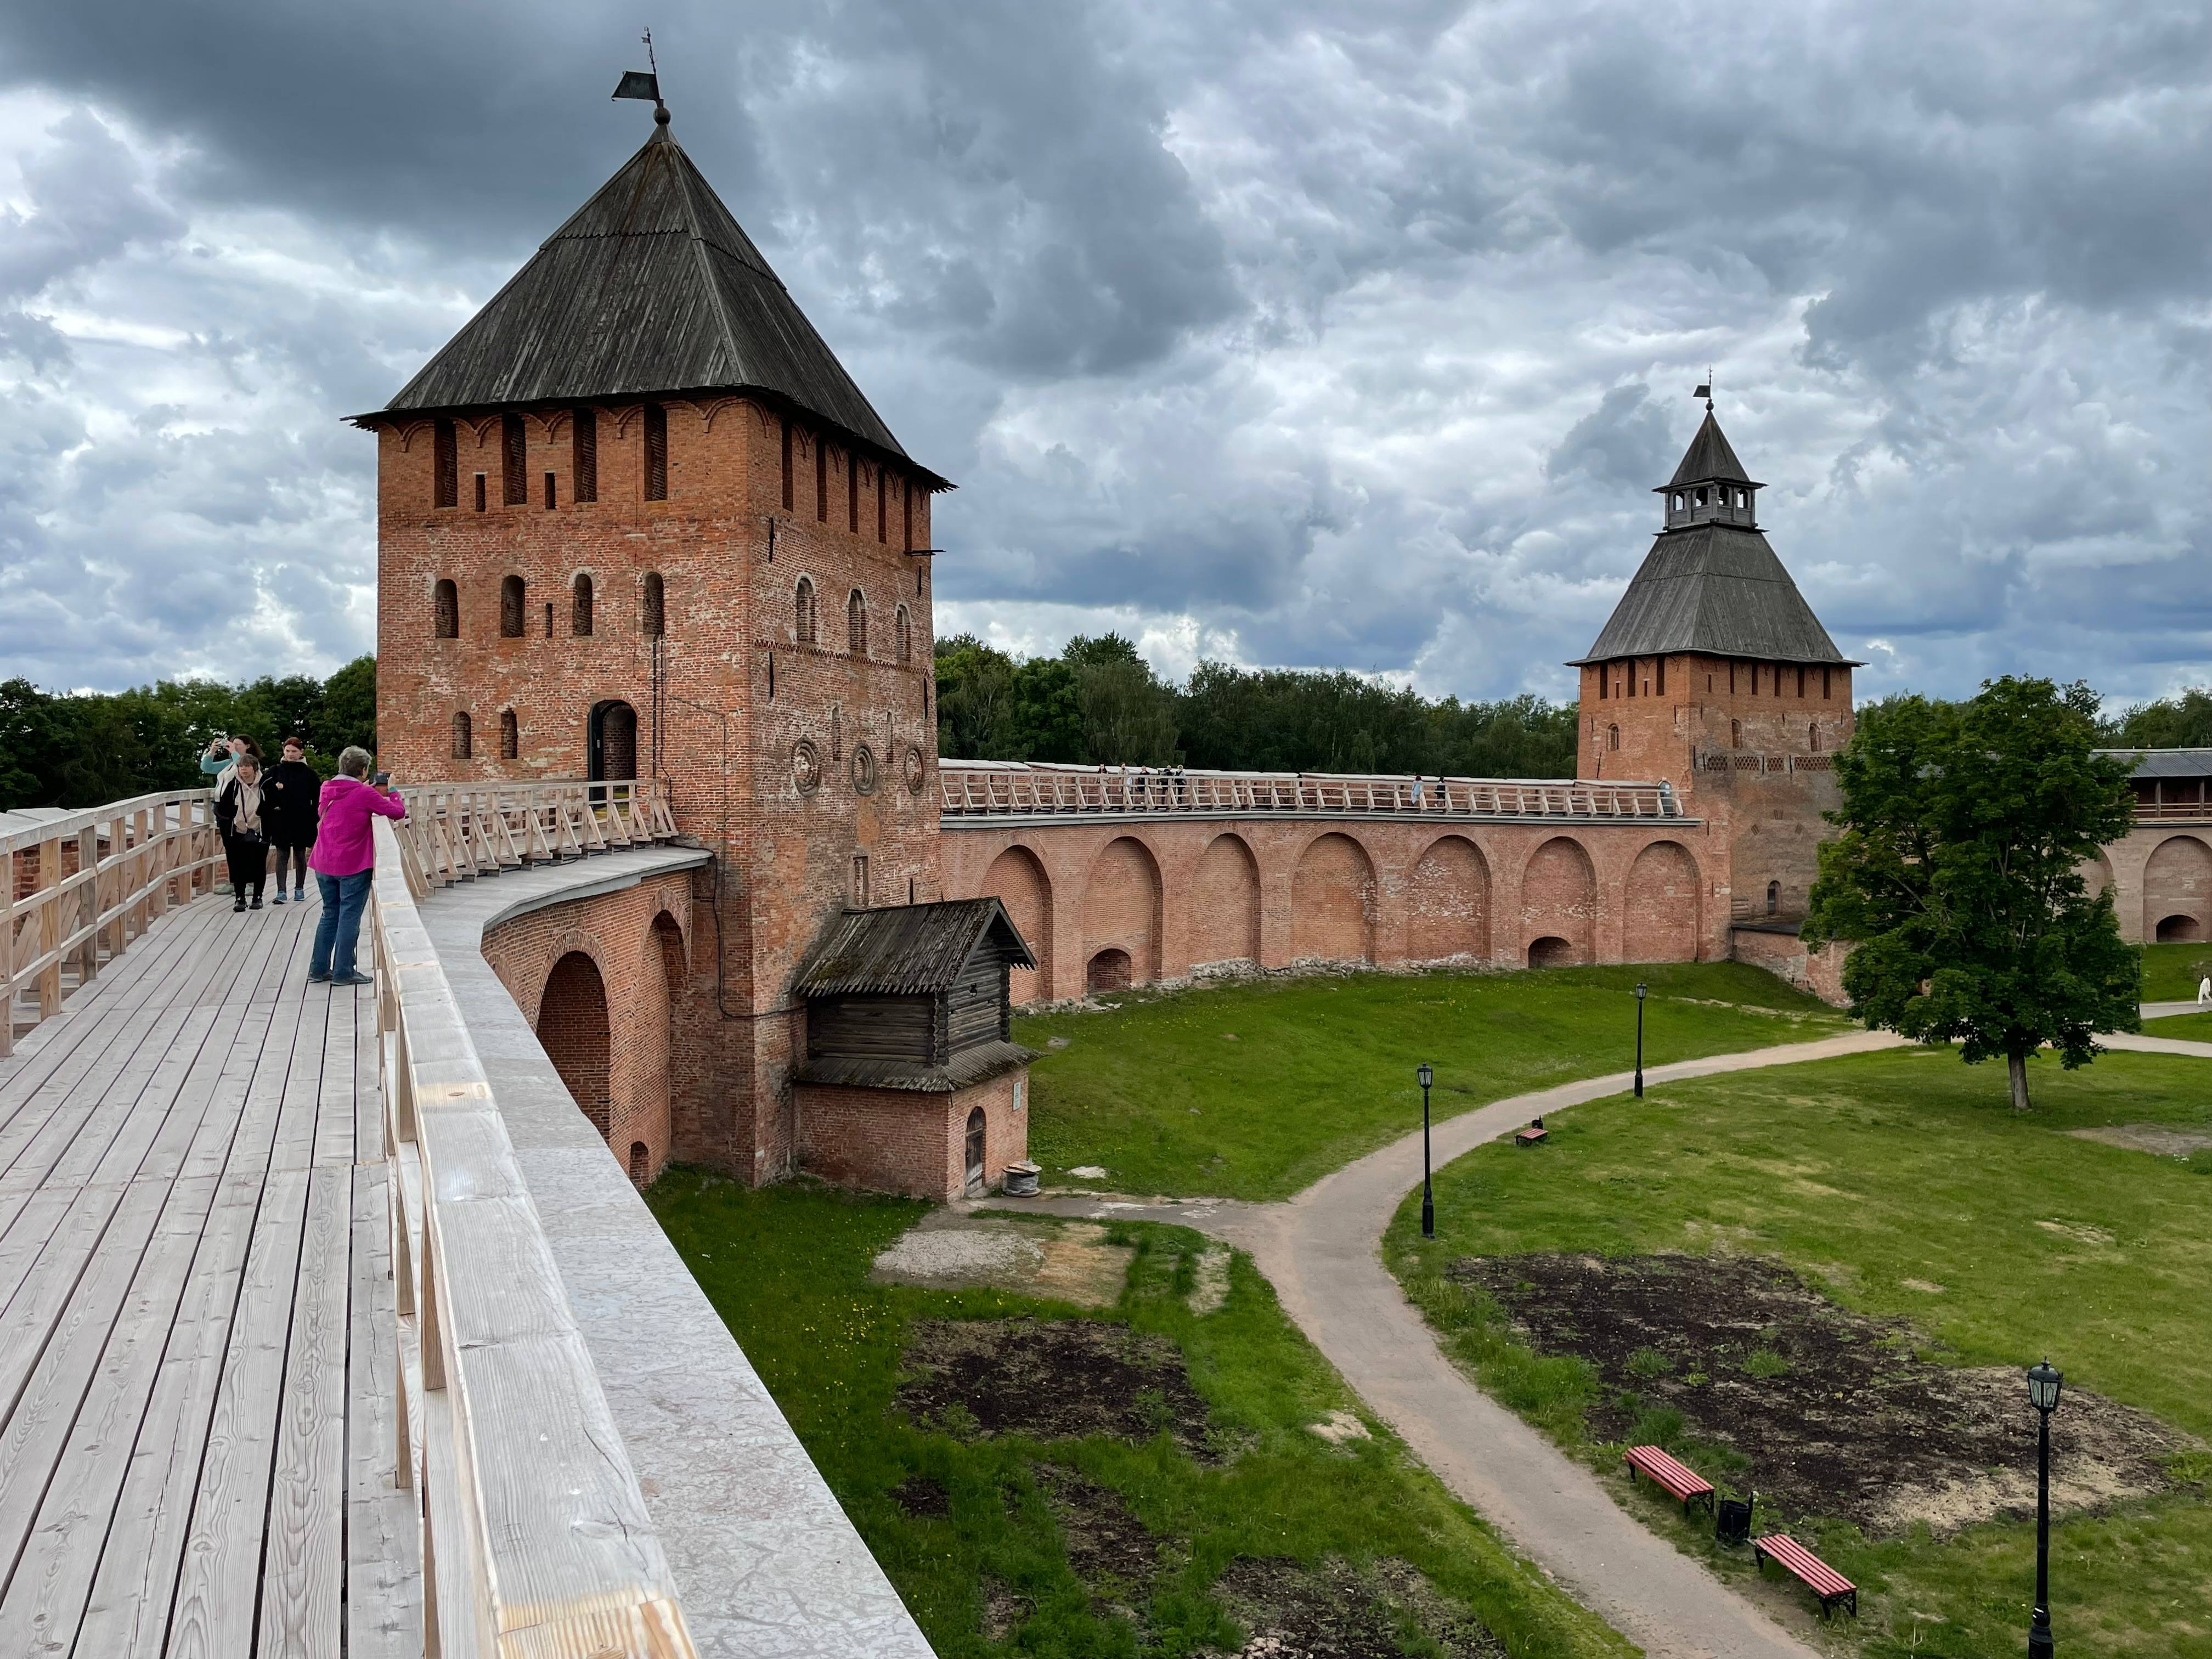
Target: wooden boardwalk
pixel 197 1336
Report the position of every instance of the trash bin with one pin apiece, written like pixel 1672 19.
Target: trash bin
pixel 1732 1519
pixel 1022 1180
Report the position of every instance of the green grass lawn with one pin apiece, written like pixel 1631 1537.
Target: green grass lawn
pixel 1866 1175
pixel 1256 1089
pixel 788 1268
pixel 2191 1028
pixel 2170 972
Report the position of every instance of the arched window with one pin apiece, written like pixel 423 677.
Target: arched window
pixel 464 739
pixel 856 624
pixel 655 621
pixel 1813 735
pixel 1773 897
pixel 446 609
pixel 510 735
pixel 905 633
pixel 510 608
pixel 579 607
pixel 1612 738
pixel 805 608
pixel 1735 734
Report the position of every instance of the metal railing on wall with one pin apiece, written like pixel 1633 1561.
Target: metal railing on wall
pixel 536 1539
pixel 458 831
pixel 987 789
pixel 81 886
pixel 1745 760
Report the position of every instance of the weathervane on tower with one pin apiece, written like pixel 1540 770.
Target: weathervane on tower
pixel 645 82
pixel 1704 390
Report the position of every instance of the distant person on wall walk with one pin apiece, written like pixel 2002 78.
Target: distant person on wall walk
pixel 292 811
pixel 240 815
pixel 344 861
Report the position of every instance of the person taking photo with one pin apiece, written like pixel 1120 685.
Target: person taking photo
pixel 345 862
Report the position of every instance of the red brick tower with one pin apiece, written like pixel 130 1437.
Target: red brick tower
pixel 634 520
pixel 1714 674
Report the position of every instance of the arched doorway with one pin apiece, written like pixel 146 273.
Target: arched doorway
pixel 572 1028
pixel 975 1148
pixel 1552 952
pixel 613 742
pixel 2179 930
pixel 1107 971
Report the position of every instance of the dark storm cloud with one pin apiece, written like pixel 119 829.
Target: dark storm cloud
pixel 1309 333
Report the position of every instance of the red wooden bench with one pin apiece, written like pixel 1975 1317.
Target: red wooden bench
pixel 1530 1136
pixel 1677 1479
pixel 1817 1576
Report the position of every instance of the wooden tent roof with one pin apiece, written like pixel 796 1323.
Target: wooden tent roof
pixel 907 950
pixel 651 288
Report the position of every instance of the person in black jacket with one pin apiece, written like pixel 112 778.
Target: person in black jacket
pixel 240 815
pixel 290 806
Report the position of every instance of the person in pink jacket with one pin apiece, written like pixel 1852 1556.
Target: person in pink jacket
pixel 345 862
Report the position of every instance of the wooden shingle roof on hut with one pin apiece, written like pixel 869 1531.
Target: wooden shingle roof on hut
pixel 908 950
pixel 651 289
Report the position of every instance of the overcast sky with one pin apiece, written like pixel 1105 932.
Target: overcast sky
pixel 1343 335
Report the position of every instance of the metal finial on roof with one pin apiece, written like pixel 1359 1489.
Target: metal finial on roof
pixel 644 83
pixel 1706 390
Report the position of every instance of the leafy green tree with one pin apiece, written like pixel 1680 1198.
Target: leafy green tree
pixel 2182 722
pixel 82 749
pixel 1958 875
pixel 975 700
pixel 1046 718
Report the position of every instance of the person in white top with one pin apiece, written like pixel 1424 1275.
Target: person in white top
pixel 2204 991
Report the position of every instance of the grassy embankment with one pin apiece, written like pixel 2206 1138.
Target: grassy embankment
pixel 1902 1185
pixel 787 1267
pixel 1255 1089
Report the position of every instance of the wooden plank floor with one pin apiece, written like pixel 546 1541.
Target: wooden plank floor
pixel 197 1341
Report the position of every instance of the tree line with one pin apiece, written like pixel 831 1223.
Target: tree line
pixel 1099 702
pixel 84 748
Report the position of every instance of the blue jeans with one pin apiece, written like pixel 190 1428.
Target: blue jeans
pixel 344 897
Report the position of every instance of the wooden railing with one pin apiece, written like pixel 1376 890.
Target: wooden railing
pixel 2153 811
pixel 997 789
pixel 458 831
pixel 536 1540
pixel 81 885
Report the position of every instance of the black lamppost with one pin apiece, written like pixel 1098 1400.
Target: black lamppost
pixel 1640 989
pixel 1427 1076
pixel 2043 1382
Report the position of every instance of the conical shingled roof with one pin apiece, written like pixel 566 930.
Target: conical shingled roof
pixel 1708 457
pixel 650 286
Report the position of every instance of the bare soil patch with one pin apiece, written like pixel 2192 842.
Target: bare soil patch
pixel 1337 1611
pixel 1003 1610
pixel 1051 1379
pixel 1832 1412
pixel 921 1497
pixel 2159 1138
pixel 1061 1263
pixel 1108 1548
